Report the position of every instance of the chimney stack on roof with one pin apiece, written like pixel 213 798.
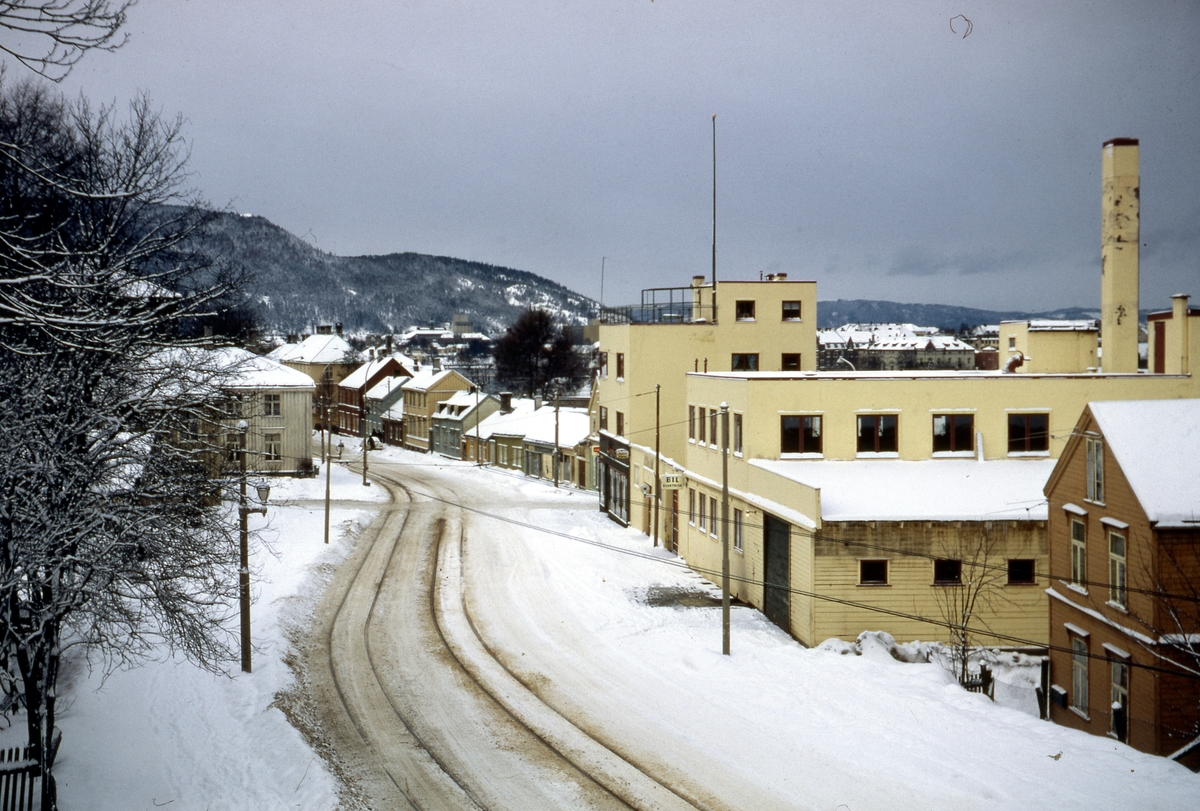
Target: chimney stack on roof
pixel 506 402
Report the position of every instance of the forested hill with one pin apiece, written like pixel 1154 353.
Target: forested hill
pixel 296 286
pixel 832 314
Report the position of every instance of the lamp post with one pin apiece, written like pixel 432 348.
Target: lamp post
pixel 244 510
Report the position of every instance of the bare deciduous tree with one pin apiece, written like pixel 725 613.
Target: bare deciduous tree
pixel 50 36
pixel 966 599
pixel 111 533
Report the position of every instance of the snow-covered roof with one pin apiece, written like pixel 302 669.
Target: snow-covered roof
pixel 508 424
pixel 426 379
pixel 359 377
pixel 1157 445
pixel 1057 325
pixel 384 387
pixel 250 371
pixel 926 490
pixel 317 349
pixel 888 336
pixel 573 426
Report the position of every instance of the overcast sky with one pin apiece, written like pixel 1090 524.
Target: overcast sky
pixel 864 145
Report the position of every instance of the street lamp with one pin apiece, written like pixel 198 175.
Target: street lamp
pixel 244 511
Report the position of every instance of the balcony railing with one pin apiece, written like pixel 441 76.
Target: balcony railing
pixel 662 305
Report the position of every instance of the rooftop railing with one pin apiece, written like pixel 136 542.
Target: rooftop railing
pixel 662 305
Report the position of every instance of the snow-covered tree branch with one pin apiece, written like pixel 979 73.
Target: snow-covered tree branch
pixel 111 531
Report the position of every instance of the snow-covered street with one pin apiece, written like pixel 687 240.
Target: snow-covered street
pixel 571 665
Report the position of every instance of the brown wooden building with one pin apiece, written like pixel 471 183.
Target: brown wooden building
pixel 1124 540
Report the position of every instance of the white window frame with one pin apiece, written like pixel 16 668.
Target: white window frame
pixel 1118 594
pixel 737 530
pixel 1078 554
pixel 275 455
pixel 713 524
pixel 1079 675
pixel 1095 470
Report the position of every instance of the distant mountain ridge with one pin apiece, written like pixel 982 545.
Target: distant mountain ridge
pixel 297 286
pixel 832 314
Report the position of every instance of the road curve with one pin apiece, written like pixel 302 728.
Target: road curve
pixel 419 713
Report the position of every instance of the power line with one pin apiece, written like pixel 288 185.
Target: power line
pixel 681 564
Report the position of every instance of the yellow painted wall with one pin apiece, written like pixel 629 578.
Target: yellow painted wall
pixel 1019 611
pixel 1048 351
pixel 663 353
pixel 915 398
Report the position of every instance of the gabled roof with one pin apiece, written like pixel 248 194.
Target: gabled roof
pixel 925 490
pixel 384 387
pixel 428 379
pixel 250 371
pixel 510 424
pixel 317 349
pixel 1157 445
pixel 359 377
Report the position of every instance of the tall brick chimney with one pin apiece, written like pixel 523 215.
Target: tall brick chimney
pixel 1120 235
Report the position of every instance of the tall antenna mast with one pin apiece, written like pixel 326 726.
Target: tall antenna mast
pixel 714 239
pixel 602 258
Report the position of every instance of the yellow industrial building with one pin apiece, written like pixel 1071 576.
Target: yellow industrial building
pixel 872 500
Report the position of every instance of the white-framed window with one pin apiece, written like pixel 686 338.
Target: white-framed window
pixel 273 447
pixel 1095 470
pixel 1078 553
pixel 692 506
pixel 620 366
pixel 1079 674
pixel 700 521
pixel 604 364
pixel 703 425
pixel 1116 569
pixel 691 422
pixel 737 434
pixel 713 523
pixel 604 418
pixel 791 311
pixel 1118 725
pixel 737 530
pixel 620 424
pixel 712 428
pixel 271 405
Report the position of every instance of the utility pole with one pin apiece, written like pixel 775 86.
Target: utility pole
pixel 244 552
pixel 725 529
pixel 714 238
pixel 657 483
pixel 555 456
pixel 328 462
pixel 244 510
pixel 602 261
pixel 366 435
